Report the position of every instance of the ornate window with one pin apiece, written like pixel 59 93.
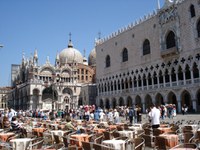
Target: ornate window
pixel 192 11
pixel 170 40
pixel 124 55
pixel 146 47
pixel 107 61
pixel 198 28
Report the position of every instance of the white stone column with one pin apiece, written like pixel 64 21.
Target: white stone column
pixel 147 81
pixel 177 79
pixel 164 80
pixel 39 102
pixel 137 84
pixel 143 107
pixel 179 106
pixel 142 84
pixel 158 82
pixel 194 104
pixel 192 75
pixel 184 79
pixel 170 79
pixel 152 79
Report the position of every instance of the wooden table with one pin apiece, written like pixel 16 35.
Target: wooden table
pixel 21 144
pixel 116 144
pixel 80 138
pixel 99 130
pixel 5 136
pixel 38 131
pixel 165 129
pixel 129 134
pixel 171 139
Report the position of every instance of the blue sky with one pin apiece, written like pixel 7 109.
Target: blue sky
pixel 26 25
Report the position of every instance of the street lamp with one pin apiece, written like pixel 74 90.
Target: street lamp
pixel 1 46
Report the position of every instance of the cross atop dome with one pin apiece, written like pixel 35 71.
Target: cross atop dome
pixel 70 45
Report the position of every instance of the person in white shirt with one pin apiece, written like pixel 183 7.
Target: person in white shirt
pixel 10 115
pixel 116 116
pixel 110 116
pixel 154 115
pixel 101 115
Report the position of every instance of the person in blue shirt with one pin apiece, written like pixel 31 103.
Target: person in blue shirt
pixel 96 115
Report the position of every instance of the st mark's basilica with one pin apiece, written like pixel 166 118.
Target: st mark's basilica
pixel 65 85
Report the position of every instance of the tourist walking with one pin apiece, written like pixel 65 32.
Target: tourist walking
pixel 154 115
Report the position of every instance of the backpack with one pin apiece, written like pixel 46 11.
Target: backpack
pixel 130 113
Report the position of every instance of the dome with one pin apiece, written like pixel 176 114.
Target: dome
pixel 92 58
pixel 70 55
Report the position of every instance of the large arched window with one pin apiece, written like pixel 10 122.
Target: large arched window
pixel 170 40
pixel 146 47
pixel 107 61
pixel 198 28
pixel 192 11
pixel 124 55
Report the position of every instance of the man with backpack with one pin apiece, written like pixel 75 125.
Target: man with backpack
pixel 130 114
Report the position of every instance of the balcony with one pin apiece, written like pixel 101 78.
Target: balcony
pixel 169 52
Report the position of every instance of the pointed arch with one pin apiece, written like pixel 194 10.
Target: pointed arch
pixel 159 99
pixel 192 11
pixel 171 97
pixel 186 99
pixel 101 103
pixel 180 73
pixel 187 72
pixel 170 40
pixel 138 101
pixel 107 104
pixel 198 28
pixel 198 97
pixel 195 70
pixel 173 74
pixel 125 55
pixel 129 102
pixel 148 101
pixel 160 77
pixel 146 47
pixel 121 101
pixel 114 103
pixel 108 61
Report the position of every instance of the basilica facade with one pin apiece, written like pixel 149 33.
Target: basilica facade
pixel 153 60
pixel 50 86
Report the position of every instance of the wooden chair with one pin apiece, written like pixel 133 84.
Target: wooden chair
pixel 86 145
pixel 160 143
pixel 37 143
pixel 56 139
pixel 156 132
pixel 107 135
pixel 116 134
pixel 56 146
pixel 185 145
pixel 139 143
pixel 100 147
pixel 13 137
pixel 99 139
pixel 187 137
pixel 140 133
pixel 149 140
pixel 120 128
pixel 148 131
